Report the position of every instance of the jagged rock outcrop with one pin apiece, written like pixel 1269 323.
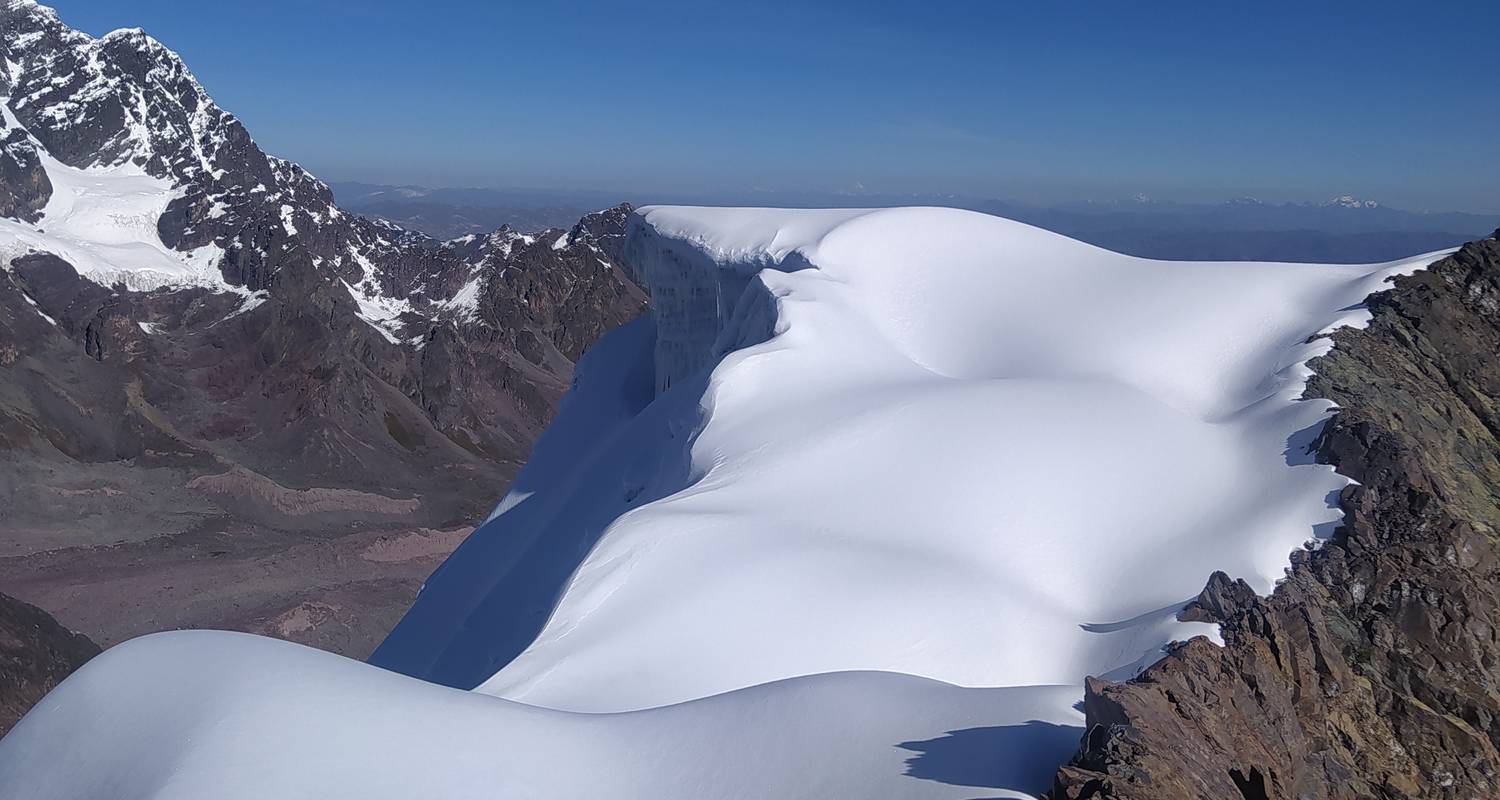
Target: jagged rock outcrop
pixel 36 653
pixel 24 185
pixel 1372 671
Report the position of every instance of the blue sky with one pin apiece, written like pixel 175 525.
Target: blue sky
pixel 1028 101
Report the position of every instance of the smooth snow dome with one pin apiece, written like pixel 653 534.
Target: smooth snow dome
pixel 206 714
pixel 851 515
pixel 945 444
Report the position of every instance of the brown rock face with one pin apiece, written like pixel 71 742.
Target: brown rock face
pixel 1374 670
pixel 36 653
pixel 24 185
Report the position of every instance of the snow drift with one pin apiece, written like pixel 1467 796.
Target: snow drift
pixel 205 714
pixel 857 462
pixel 916 440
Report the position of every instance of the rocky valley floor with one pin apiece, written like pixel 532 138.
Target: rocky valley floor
pixel 337 590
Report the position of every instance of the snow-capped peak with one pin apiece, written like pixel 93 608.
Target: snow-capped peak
pixel 1350 201
pixel 28 6
pixel 133 33
pixel 125 107
pixel 66 84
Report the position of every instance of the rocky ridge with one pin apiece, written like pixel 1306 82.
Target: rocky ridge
pixel 36 654
pixel 1371 672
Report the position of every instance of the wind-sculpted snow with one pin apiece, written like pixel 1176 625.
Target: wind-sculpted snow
pixel 858 461
pixel 195 715
pixel 944 444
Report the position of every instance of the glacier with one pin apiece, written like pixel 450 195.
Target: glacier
pixel 920 440
pixel 853 514
pixel 102 220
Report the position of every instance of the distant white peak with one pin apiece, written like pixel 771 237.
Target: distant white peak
pixel 503 239
pixel 388 226
pixel 28 5
pixel 126 33
pixel 1349 201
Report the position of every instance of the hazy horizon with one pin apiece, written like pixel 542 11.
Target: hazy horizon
pixel 751 196
pixel 1024 103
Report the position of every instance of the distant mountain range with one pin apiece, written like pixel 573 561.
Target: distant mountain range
pixel 1341 229
pixel 450 213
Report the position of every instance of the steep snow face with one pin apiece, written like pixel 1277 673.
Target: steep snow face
pixel 919 440
pixel 697 278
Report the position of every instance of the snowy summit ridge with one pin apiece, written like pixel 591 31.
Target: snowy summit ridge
pixel 958 447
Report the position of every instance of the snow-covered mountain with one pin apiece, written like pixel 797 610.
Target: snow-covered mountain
pixel 269 365
pixel 124 149
pixel 953 444
pixel 852 514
